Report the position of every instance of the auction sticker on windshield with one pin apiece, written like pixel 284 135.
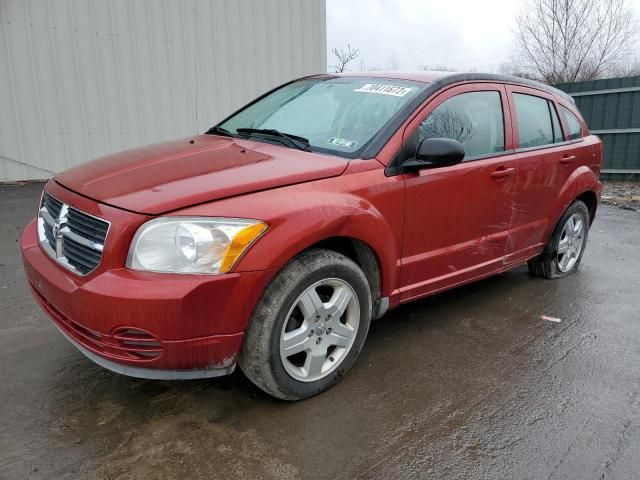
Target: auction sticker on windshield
pixel 343 142
pixel 381 89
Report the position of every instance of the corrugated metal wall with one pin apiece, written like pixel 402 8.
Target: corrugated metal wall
pixel 611 108
pixel 82 78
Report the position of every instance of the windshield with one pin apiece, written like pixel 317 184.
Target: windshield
pixel 337 115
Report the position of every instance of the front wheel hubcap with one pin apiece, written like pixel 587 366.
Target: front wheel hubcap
pixel 571 242
pixel 319 330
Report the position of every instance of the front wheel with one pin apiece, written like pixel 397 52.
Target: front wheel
pixel 562 255
pixel 308 327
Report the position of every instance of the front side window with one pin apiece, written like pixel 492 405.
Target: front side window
pixel 574 125
pixel 537 121
pixel 474 119
pixel 339 115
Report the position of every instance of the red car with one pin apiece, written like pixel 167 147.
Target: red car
pixel 273 239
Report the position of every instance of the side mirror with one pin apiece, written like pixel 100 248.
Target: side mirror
pixel 435 152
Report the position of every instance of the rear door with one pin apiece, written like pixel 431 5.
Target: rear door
pixel 457 217
pixel 545 160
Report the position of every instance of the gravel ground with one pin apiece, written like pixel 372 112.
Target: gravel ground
pixel 624 195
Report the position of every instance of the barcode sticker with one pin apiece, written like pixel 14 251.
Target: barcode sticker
pixel 381 89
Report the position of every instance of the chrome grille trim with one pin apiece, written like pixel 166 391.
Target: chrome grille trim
pixel 73 238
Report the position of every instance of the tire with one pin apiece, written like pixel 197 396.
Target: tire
pixel 553 262
pixel 288 317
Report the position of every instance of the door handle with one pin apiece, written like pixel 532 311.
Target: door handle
pixel 567 159
pixel 503 172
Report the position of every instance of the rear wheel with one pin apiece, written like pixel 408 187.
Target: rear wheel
pixel 308 327
pixel 562 255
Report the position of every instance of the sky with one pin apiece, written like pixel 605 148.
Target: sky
pixel 458 34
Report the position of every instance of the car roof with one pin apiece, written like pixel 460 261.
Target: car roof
pixel 417 76
pixel 439 79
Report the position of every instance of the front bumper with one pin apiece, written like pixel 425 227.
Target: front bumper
pixel 142 324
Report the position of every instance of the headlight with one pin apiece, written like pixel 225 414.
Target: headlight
pixel 192 245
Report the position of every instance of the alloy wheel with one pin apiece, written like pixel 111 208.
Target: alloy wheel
pixel 319 330
pixel 571 242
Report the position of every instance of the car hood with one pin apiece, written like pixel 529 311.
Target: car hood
pixel 167 176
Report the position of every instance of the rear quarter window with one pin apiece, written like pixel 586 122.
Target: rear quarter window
pixel 573 124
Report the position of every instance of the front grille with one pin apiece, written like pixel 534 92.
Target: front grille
pixel 73 238
pixel 52 205
pixel 86 226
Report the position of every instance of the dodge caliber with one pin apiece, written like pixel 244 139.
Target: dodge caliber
pixel 272 240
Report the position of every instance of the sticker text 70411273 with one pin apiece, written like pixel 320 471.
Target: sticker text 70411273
pixel 381 89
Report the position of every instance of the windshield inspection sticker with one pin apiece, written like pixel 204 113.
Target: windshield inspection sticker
pixel 381 89
pixel 342 142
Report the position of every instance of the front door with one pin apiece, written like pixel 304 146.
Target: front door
pixel 457 217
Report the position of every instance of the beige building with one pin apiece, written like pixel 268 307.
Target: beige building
pixel 82 78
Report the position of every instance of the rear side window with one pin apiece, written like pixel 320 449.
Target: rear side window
pixel 474 119
pixel 537 121
pixel 574 125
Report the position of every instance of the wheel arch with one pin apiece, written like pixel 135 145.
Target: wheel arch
pixel 583 185
pixel 362 254
pixel 590 199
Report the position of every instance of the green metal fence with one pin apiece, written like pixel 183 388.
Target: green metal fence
pixel 611 108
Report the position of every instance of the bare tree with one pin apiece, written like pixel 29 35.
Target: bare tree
pixel 363 64
pixel 437 67
pixel 447 123
pixel 343 58
pixel 571 40
pixel 507 68
pixel 393 61
pixel 628 68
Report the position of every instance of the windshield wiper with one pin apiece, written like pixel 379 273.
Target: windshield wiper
pixel 219 131
pixel 288 139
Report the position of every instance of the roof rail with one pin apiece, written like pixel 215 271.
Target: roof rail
pixel 494 77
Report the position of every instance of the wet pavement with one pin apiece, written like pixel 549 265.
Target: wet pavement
pixel 469 384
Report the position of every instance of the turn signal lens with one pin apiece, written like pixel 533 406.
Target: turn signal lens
pixel 240 242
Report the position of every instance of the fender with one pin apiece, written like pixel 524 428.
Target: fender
pixel 319 218
pixel 364 205
pixel 582 180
